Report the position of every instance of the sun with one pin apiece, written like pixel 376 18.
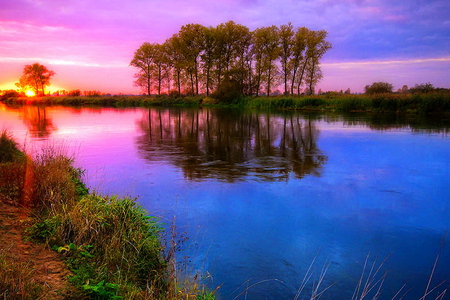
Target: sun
pixel 30 93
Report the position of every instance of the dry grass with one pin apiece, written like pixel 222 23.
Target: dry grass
pixel 17 279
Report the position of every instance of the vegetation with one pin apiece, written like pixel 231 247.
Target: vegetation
pixel 379 88
pixel 437 101
pixel 35 77
pixel 201 59
pixel 113 248
pixel 17 279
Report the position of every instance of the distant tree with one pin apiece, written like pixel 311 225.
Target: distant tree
pixel 379 88
pixel 74 93
pixel 347 91
pixel 423 88
pixel 36 77
pixel 198 58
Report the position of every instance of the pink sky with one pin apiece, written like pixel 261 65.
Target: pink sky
pixel 89 44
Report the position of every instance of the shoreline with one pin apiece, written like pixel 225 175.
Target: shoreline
pixel 420 103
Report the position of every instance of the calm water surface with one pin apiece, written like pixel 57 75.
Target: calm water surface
pixel 261 195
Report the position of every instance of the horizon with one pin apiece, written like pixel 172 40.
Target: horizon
pixel 90 45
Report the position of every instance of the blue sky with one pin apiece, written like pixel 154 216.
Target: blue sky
pixel 89 44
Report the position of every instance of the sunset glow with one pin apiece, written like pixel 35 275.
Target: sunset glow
pixel 90 44
pixel 30 93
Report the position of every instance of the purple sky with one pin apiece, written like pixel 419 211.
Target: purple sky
pixel 89 44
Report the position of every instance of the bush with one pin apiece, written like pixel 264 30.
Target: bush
pixel 379 88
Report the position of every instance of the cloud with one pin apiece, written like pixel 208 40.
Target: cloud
pixel 105 33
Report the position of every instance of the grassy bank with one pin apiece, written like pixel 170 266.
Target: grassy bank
pixel 433 102
pixel 380 103
pixel 112 246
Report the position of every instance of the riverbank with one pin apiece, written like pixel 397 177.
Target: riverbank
pixel 421 103
pixel 111 247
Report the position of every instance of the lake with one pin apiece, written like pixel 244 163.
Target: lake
pixel 263 196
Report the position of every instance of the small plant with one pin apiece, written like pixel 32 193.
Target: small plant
pixel 102 291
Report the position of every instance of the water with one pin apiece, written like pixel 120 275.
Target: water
pixel 261 196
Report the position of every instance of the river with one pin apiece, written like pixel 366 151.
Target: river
pixel 263 196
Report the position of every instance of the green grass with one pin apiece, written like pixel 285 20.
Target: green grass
pixel 422 103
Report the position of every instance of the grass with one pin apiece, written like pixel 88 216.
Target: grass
pixel 17 279
pixel 421 103
pixel 12 168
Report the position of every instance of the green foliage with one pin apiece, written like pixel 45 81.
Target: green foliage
pixel 9 150
pixel 102 291
pixel 111 240
pixel 206 296
pixel 228 92
pixel 41 231
pixel 80 187
pixel 423 88
pixel 379 88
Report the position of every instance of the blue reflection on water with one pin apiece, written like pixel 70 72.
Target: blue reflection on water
pixel 378 192
pixel 381 193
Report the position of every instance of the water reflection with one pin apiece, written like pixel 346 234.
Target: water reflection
pixel 37 120
pixel 231 145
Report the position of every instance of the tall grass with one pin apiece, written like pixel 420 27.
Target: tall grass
pixel 12 168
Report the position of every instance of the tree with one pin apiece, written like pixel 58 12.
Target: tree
pixel 198 58
pixel 144 60
pixel 36 77
pixel 286 52
pixel 379 88
pixel 423 88
pixel 191 45
pixel 266 47
pixel 317 47
pixel 298 56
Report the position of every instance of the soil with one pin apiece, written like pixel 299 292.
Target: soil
pixel 49 269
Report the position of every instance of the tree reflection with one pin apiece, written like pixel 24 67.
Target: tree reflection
pixel 231 145
pixel 37 120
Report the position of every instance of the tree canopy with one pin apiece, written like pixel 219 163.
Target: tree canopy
pixel 35 77
pixel 200 59
pixel 379 88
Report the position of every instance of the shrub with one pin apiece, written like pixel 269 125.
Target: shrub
pixel 379 88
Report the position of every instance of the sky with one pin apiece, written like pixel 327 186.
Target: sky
pixel 90 43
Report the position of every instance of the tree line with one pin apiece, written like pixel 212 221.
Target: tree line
pixel 231 57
